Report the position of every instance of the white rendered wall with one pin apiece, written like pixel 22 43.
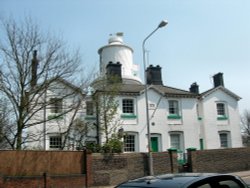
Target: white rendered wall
pixel 212 126
pixel 159 123
pixel 57 126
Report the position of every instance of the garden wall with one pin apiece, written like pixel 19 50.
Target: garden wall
pixel 26 169
pixel 81 169
pixel 219 160
pixel 42 169
pixel 112 169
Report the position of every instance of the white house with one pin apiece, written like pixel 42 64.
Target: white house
pixel 58 119
pixel 178 118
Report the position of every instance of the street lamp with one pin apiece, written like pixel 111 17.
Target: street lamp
pixel 150 159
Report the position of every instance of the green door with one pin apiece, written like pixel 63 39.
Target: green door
pixel 201 144
pixel 154 144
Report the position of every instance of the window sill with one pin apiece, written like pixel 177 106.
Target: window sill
pixel 174 117
pixel 54 117
pixel 222 118
pixel 128 116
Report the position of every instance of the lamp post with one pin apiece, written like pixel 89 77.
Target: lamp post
pixel 150 159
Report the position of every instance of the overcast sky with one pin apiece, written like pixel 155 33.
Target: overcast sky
pixel 203 37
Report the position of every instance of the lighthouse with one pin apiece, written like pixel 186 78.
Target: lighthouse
pixel 117 52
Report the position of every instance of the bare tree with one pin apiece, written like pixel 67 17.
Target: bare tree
pixel 105 97
pixel 30 63
pixel 245 122
pixel 6 124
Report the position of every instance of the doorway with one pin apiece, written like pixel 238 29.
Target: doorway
pixel 154 144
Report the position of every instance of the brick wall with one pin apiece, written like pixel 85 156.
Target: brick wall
pixel 220 160
pixel 112 169
pixel 65 181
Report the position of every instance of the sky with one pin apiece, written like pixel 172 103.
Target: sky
pixel 202 38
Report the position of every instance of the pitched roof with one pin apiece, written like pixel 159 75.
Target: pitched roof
pixel 210 91
pixel 70 85
pixel 173 92
pixel 137 89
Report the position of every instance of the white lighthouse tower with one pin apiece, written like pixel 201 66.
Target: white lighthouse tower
pixel 117 52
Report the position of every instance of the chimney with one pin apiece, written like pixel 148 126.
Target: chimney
pixel 218 79
pixel 113 71
pixel 34 65
pixel 154 75
pixel 194 88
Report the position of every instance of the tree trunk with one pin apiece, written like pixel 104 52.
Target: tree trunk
pixel 19 137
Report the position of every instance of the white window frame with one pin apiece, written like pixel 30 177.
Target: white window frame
pixel 132 106
pixel 89 108
pixel 227 140
pixel 55 146
pixel 173 104
pixel 135 144
pixel 180 135
pixel 221 111
pixel 56 105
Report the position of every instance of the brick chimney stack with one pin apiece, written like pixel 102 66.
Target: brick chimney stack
pixel 34 65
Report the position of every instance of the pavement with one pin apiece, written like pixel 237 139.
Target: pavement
pixel 242 174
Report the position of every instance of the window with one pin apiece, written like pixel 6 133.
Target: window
pixel 55 142
pixel 90 108
pixel 130 142
pixel 224 139
pixel 221 111
pixel 176 140
pixel 173 107
pixel 56 105
pixel 198 112
pixel 128 106
pixel 229 183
